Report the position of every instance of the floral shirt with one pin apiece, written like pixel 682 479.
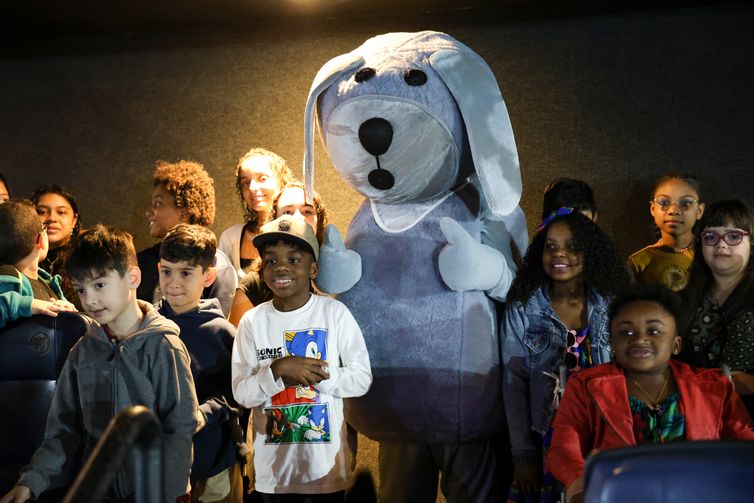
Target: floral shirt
pixel 659 425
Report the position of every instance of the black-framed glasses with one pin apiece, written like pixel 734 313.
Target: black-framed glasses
pixel 684 204
pixel 731 238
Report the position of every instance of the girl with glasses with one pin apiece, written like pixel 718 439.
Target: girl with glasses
pixel 675 207
pixel 556 317
pixel 720 296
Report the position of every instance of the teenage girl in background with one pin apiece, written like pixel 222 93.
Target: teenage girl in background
pixel 57 208
pixel 675 206
pixel 260 175
pixel 290 200
pixel 556 315
pixel 720 296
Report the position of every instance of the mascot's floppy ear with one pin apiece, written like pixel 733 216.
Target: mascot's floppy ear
pixel 331 72
pixel 493 149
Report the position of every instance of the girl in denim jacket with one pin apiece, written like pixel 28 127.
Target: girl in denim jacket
pixel 556 317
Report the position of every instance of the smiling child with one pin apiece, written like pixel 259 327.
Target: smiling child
pixel 294 359
pixel 644 396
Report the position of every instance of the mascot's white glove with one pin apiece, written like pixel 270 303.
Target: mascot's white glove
pixel 467 264
pixel 339 267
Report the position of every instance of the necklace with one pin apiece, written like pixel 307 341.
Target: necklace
pixel 678 250
pixel 656 401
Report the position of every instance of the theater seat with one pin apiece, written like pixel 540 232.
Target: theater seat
pixel 682 472
pixel 32 353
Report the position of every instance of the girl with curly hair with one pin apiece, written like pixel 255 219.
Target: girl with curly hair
pixel 555 323
pixel 183 193
pixel 260 175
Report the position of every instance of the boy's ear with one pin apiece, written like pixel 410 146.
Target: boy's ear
pixel 133 276
pixel 314 271
pixel 210 275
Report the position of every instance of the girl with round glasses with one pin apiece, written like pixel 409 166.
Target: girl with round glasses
pixel 720 296
pixel 675 207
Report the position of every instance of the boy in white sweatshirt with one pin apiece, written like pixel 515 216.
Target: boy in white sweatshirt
pixel 294 359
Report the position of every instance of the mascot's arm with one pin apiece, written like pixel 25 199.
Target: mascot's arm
pixel 352 375
pixel 516 370
pixel 253 381
pixel 339 268
pixel 467 264
pixel 502 234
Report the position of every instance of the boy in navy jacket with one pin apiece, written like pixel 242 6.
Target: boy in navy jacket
pixel 186 268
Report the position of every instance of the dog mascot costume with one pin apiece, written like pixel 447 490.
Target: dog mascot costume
pixel 415 122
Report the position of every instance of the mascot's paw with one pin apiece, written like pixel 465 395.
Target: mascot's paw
pixel 467 264
pixel 339 268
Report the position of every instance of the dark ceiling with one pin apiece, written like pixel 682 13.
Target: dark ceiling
pixel 45 18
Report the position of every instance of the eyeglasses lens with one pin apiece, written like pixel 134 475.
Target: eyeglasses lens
pixel 731 238
pixel 683 204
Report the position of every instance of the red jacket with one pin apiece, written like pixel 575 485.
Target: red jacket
pixel 594 414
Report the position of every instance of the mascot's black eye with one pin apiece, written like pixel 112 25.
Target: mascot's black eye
pixel 415 77
pixel 364 74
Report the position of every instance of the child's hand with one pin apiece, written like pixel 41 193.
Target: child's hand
pixel 298 370
pixel 18 494
pixel 51 307
pixel 527 477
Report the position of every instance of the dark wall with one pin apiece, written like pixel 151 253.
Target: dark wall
pixel 615 100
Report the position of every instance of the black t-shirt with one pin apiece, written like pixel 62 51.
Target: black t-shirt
pixel 42 290
pixel 255 288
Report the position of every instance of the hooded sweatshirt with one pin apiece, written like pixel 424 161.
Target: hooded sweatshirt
pixel 16 292
pixel 99 379
pixel 209 339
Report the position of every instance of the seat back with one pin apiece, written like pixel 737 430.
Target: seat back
pixel 685 472
pixel 32 353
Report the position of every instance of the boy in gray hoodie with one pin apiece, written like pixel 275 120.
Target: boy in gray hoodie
pixel 130 355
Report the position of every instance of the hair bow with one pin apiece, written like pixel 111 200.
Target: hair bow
pixel 560 212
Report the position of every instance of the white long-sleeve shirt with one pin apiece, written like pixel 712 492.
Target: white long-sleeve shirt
pixel 299 433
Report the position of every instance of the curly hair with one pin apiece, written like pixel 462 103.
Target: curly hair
pixel 66 194
pixel 279 168
pixel 604 269
pixel 191 186
pixel 720 214
pixel 319 208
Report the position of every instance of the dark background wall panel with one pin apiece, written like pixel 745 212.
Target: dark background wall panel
pixel 613 99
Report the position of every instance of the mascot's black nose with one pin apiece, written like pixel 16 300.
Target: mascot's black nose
pixel 376 135
pixel 381 179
